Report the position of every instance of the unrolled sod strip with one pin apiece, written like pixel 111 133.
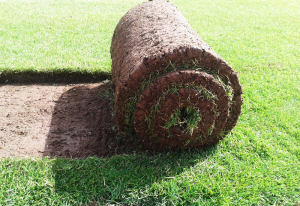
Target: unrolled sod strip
pixel 171 89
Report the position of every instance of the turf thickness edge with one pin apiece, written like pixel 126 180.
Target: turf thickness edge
pixel 55 76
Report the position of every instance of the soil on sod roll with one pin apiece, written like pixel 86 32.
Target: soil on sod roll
pixel 161 68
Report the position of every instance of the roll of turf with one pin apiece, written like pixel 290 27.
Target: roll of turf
pixel 171 89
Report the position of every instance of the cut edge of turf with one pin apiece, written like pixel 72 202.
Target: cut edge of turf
pixel 57 75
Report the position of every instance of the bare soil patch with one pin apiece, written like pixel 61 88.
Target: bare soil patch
pixel 74 120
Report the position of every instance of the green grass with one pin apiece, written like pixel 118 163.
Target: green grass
pixel 58 35
pixel 257 164
pixel 186 118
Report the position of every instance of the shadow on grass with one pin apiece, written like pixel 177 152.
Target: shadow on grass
pixel 117 168
pixel 122 179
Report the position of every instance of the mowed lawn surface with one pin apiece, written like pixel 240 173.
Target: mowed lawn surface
pixel 257 164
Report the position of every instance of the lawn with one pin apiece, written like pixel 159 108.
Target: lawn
pixel 257 164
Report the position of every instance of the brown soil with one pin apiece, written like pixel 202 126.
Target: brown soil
pixel 145 41
pixel 60 120
pixel 184 98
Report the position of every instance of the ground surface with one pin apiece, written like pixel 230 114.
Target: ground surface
pixel 257 164
pixel 58 120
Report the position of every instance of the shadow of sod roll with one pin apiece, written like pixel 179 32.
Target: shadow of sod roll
pixel 171 89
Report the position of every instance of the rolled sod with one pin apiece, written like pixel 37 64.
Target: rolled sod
pixel 171 89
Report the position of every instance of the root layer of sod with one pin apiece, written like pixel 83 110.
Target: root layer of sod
pixel 155 76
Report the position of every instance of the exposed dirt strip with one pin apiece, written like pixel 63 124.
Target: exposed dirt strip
pixel 59 120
